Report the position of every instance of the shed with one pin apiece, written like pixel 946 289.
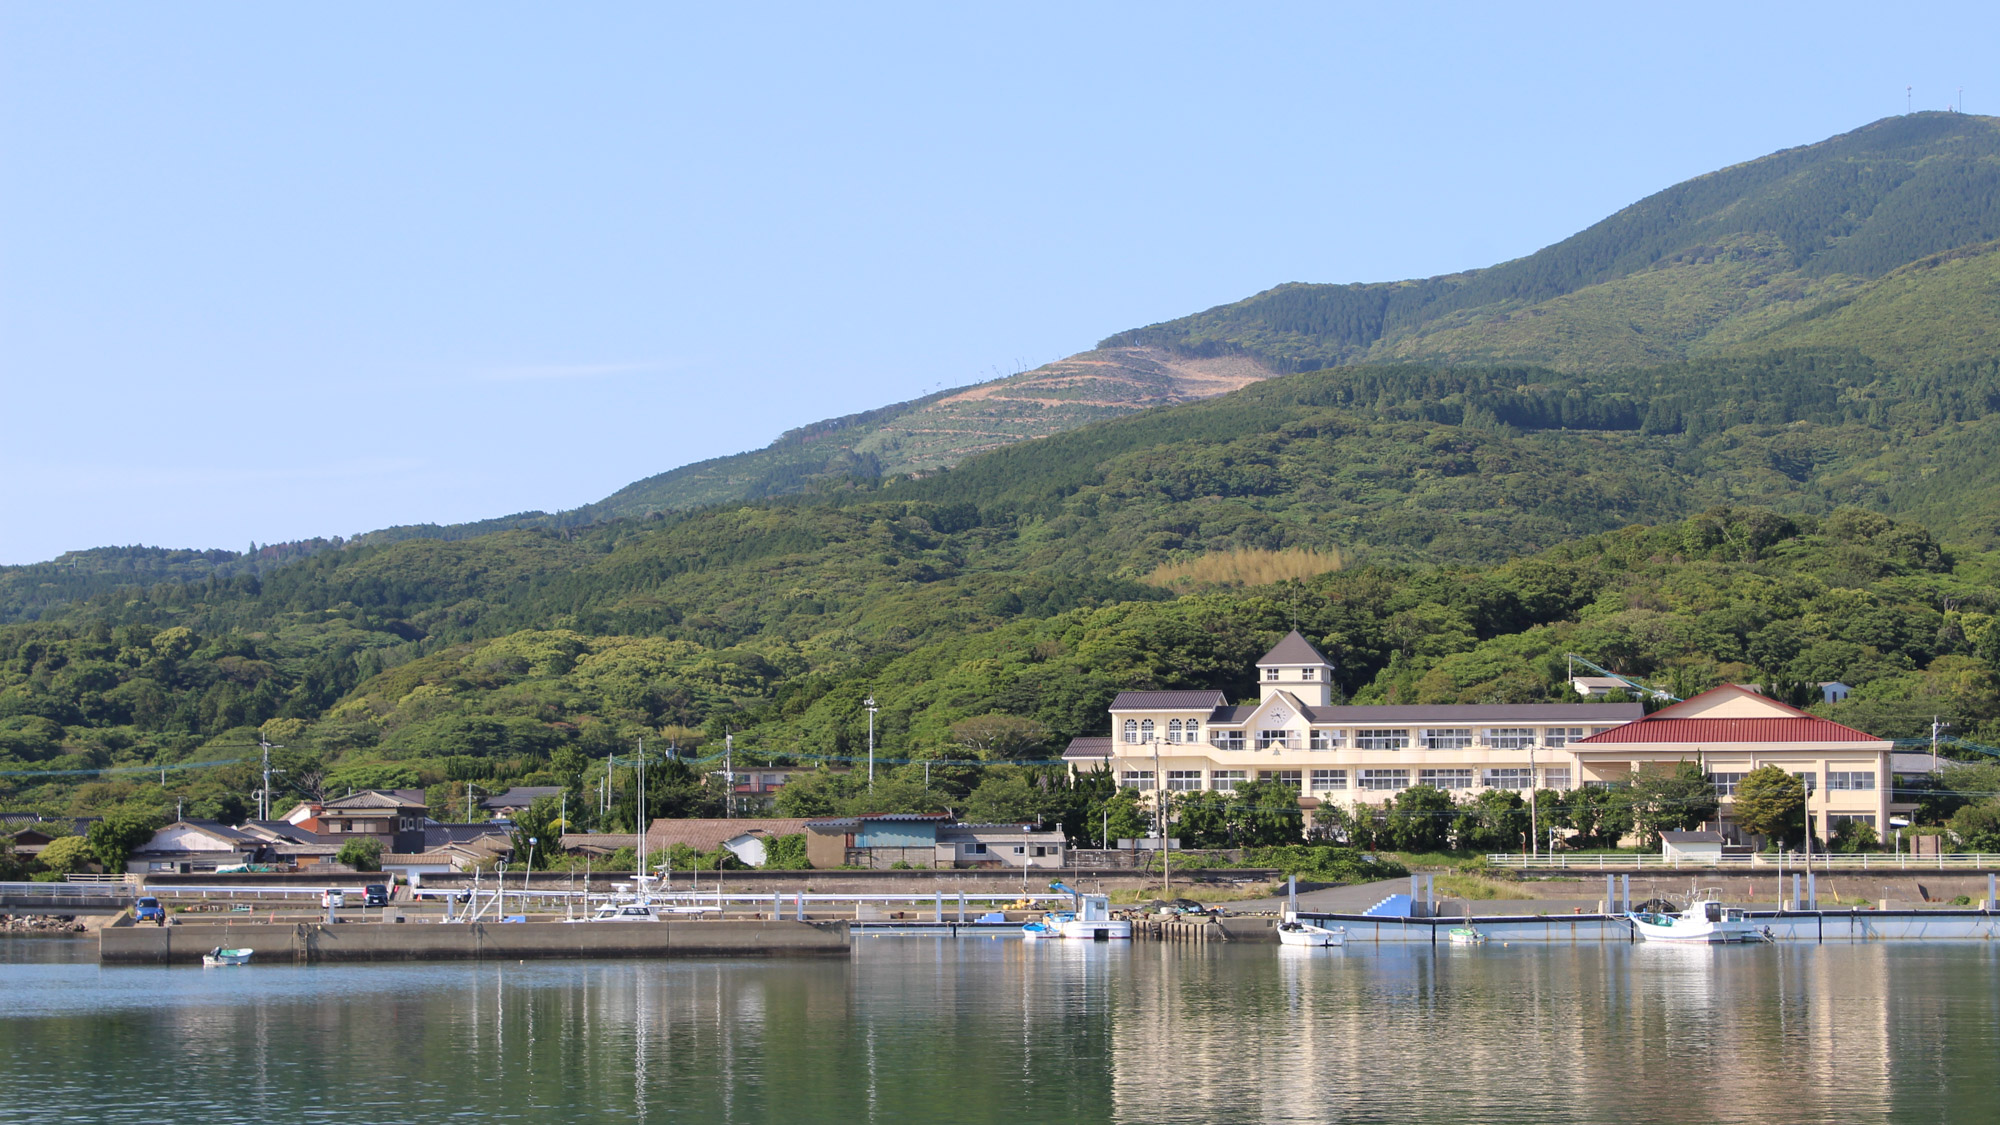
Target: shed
pixel 1701 847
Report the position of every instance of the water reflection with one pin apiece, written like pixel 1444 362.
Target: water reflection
pixel 914 1029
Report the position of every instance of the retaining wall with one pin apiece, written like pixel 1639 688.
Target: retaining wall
pixel 316 942
pixel 1811 926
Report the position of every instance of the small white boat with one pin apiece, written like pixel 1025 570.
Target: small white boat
pixel 1291 931
pixel 1090 921
pixel 1464 935
pixel 221 956
pixel 1704 921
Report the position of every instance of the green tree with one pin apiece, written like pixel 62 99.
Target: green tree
pixel 1267 814
pixel 786 853
pixel 1976 826
pixel 1599 815
pixel 1770 803
pixel 122 829
pixel 1419 820
pixel 67 855
pixel 1001 736
pixel 363 853
pixel 1670 802
pixel 1120 816
pixel 538 822
pixel 816 794
pixel 1854 836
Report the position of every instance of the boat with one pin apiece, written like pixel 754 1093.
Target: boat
pixel 1091 920
pixel 221 956
pixel 1291 931
pixel 1705 920
pixel 1464 935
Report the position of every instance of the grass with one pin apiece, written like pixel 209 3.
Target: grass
pixel 1196 892
pixel 1477 888
pixel 1245 567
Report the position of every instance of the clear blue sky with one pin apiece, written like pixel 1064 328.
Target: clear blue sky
pixel 276 271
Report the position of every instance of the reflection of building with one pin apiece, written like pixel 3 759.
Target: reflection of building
pixel 1296 735
pixel 1732 731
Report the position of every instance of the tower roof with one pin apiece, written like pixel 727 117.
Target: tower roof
pixel 1294 649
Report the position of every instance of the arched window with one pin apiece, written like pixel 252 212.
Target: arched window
pixel 1131 730
pixel 1193 731
pixel 1146 730
pixel 1173 730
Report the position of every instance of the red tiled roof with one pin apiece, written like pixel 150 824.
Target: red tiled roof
pixel 1711 731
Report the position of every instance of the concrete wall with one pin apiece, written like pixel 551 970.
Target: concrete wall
pixel 315 942
pixel 1824 925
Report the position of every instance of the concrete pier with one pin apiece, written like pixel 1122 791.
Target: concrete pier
pixel 307 943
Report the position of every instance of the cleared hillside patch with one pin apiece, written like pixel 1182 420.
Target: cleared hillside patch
pixel 1249 566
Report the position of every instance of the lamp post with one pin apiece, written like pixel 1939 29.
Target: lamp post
pixel 1534 816
pixel 531 866
pixel 1160 817
pixel 870 704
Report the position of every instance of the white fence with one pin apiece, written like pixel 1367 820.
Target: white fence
pixel 1839 861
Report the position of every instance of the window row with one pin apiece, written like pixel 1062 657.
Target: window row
pixel 1852 780
pixel 1323 781
pixel 1136 731
pixel 1144 730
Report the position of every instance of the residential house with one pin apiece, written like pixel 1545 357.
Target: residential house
pixel 876 840
pixel 393 818
pixel 189 846
pixel 515 801
pixel 999 845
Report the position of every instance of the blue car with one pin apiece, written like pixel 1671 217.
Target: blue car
pixel 150 910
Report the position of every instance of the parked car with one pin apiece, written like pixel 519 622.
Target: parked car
pixel 333 897
pixel 149 910
pixel 375 894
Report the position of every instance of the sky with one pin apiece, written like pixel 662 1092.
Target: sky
pixel 273 272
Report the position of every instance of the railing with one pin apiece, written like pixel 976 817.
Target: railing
pixel 90 877
pixel 1821 861
pixel 92 891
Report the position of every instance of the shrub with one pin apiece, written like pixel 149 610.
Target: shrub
pixel 1323 864
pixel 363 854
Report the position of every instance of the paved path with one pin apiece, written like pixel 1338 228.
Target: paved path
pixel 1351 899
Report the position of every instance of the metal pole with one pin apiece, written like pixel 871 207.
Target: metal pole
pixel 870 704
pixel 1534 813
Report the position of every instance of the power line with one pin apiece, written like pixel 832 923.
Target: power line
pixel 119 769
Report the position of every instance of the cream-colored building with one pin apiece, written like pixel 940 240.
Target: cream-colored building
pixel 1294 734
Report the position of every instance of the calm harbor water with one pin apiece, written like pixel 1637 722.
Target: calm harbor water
pixel 1006 1031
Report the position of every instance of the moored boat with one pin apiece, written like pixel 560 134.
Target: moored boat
pixel 1706 920
pixel 1464 935
pixel 221 956
pixel 1291 931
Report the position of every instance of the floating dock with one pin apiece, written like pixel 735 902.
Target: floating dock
pixel 308 943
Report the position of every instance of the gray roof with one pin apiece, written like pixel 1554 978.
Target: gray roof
pixel 1921 761
pixel 1478 713
pixel 521 796
pixel 1692 837
pixel 1168 700
pixel 1294 649
pixel 375 799
pixel 1087 749
pixel 438 835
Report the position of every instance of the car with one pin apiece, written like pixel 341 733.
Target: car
pixel 148 909
pixel 333 897
pixel 375 894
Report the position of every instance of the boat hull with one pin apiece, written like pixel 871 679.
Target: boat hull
pixel 1311 937
pixel 1712 934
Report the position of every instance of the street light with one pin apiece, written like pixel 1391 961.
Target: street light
pixel 870 704
pixel 531 865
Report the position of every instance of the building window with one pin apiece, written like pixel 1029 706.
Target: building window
pixel 1725 783
pixel 1145 730
pixel 1510 738
pixel 1385 779
pixel 1270 673
pixel 1181 781
pixel 1556 779
pixel 1445 779
pixel 1810 778
pixel 1020 849
pixel 1381 740
pixel 1559 737
pixel 1849 818
pixel 1226 780
pixel 1293 778
pixel 1510 779
pixel 1620 785
pixel 1327 739
pixel 1173 730
pixel 1847 779
pixel 1131 730
pixel 1598 730
pixel 1457 738
pixel 1193 731
pixel 1274 740
pixel 975 849
pixel 1323 780
pixel 1225 739
pixel 1307 673
pixel 1041 850
pixel 1137 779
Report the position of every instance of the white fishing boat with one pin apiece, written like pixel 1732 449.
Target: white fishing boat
pixel 1706 920
pixel 1291 931
pixel 1464 935
pixel 1090 921
pixel 221 956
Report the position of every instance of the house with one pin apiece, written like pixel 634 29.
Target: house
pixel 1731 731
pixel 515 801
pixel 31 832
pixel 756 787
pixel 594 844
pixel 1692 847
pixel 1597 687
pixel 188 846
pixel 393 818
pixel 1833 691
pixel 743 836
pixel 999 845
pixel 1180 741
pixel 877 840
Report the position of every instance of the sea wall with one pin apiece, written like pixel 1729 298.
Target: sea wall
pixel 1810 926
pixel 316 942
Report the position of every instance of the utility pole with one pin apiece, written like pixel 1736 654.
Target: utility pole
pixel 263 795
pixel 729 775
pixel 1534 814
pixel 870 704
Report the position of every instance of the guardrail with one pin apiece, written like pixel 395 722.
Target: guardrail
pixel 91 891
pixel 1858 861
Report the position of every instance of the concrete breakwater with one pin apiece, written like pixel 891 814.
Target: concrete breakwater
pixel 307 943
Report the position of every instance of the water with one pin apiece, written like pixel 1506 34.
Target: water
pixel 1006 1031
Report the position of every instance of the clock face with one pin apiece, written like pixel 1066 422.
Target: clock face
pixel 1278 715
